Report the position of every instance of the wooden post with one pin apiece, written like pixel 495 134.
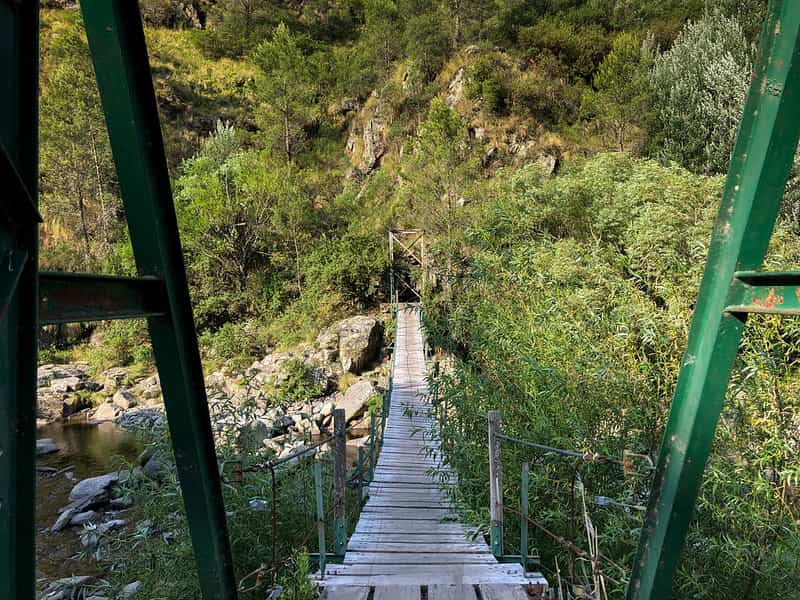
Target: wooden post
pixel 339 475
pixel 495 483
pixel 523 516
pixel 361 478
pixel 320 517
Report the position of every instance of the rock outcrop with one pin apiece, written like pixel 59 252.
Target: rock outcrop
pixel 355 342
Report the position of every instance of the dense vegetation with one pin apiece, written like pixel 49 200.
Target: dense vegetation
pixel 565 159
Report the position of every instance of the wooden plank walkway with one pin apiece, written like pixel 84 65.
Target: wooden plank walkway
pixel 408 543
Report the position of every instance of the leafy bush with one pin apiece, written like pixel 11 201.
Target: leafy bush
pixel 699 89
pixel 570 316
pixel 299 383
pixel 486 82
pixel 580 47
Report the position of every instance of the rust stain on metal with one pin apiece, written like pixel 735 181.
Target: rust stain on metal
pixel 771 300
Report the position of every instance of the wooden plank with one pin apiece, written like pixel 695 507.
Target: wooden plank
pixel 420 538
pixel 462 547
pixel 451 592
pixel 346 592
pixel 409 513
pixel 407 526
pixel 417 558
pixel 483 570
pixel 397 592
pixel 503 592
pixel 441 578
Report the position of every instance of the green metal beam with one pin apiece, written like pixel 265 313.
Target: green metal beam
pixel 767 293
pixel 759 169
pixel 117 43
pixel 75 297
pixel 19 176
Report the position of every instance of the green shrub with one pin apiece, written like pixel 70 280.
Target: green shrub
pixel 299 384
pixel 580 47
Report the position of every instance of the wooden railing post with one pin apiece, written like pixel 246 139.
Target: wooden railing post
pixel 339 475
pixel 495 483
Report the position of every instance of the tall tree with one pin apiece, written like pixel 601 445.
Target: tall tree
pixel 620 100
pixel 288 86
pixel 78 181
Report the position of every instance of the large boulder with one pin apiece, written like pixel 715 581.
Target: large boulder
pixel 94 487
pixel 107 411
pixel 359 342
pixel 354 342
pixel 354 401
pixel 124 399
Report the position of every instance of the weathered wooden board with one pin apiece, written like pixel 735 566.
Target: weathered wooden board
pixel 397 592
pixel 451 592
pixel 346 593
pixel 417 558
pixel 405 546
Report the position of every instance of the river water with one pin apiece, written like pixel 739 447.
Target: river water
pixel 86 450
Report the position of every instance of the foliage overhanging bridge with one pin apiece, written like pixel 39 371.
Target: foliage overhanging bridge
pixel 733 286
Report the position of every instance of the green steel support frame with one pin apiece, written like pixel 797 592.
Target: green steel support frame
pixel 759 169
pixel 19 72
pixel 160 293
pixel 117 44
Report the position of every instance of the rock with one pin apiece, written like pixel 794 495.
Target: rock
pixel 75 404
pixel 359 342
pixel 49 404
pixel 84 517
pixel 47 374
pixel 347 105
pixel 130 590
pixel 120 503
pixel 548 163
pixel 145 456
pixel 94 487
pixel 67 384
pixel 366 144
pixel 45 446
pixel 326 409
pixel 455 92
pixel 149 388
pixel 357 443
pixel 68 587
pixel 107 411
pixel 144 418
pixel 113 379
pixel 154 469
pixel 354 400
pixel 124 399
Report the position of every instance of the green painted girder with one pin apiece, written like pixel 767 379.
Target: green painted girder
pixel 19 176
pixel 766 293
pixel 754 187
pixel 116 40
pixel 78 297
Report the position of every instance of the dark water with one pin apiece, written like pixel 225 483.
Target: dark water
pixel 89 450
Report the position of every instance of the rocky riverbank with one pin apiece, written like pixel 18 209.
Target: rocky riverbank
pixel 275 406
pixel 279 399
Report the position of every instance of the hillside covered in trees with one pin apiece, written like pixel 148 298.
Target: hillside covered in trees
pixel 565 159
